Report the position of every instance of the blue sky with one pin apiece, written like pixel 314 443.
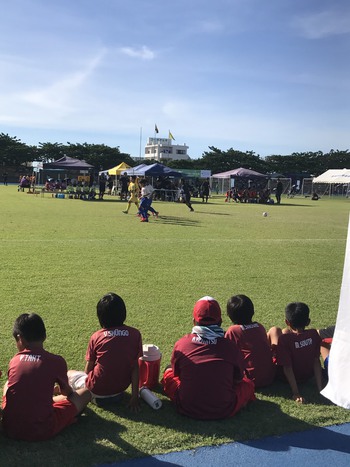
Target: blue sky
pixel 268 76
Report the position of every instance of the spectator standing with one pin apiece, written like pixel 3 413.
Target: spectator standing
pixel 279 191
pixel 205 190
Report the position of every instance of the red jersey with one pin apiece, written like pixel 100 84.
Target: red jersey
pixel 28 413
pixel 252 341
pixel 115 352
pixel 207 370
pixel 299 351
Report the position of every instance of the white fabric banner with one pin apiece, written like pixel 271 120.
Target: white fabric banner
pixel 338 387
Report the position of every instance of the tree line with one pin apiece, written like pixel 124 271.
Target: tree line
pixel 15 154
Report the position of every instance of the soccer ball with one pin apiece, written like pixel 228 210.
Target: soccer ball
pixel 264 214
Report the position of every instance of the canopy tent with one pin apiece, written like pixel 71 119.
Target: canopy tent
pixel 133 170
pixel 334 176
pixel 118 169
pixel 156 170
pixel 67 163
pixel 240 172
pixel 339 177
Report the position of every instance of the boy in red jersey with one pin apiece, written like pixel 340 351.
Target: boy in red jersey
pixel 251 339
pixel 297 349
pixel 112 355
pixel 205 380
pixel 30 412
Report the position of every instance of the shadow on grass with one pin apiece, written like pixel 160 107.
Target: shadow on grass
pixel 178 221
pixel 214 213
pixel 246 425
pixel 93 440
pixel 285 205
pixel 114 434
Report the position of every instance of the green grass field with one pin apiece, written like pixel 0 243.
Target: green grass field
pixel 59 256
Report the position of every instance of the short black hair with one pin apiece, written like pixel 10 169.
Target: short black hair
pixel 111 310
pixel 29 326
pixel 297 314
pixel 240 309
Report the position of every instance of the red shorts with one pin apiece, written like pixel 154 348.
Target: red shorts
pixel 244 394
pixel 244 390
pixel 65 414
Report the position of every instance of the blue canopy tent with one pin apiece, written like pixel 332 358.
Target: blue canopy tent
pixel 134 170
pixel 154 170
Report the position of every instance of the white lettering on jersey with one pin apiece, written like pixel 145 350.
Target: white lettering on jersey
pixel 305 343
pixel 249 326
pixel 29 358
pixel 116 333
pixel 200 340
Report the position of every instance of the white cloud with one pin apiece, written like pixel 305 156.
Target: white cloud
pixel 144 52
pixel 210 26
pixel 60 94
pixel 323 24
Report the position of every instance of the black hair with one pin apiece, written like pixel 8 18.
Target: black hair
pixel 29 326
pixel 297 314
pixel 111 310
pixel 240 309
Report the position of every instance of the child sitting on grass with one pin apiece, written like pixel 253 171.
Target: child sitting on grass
pixel 251 339
pixel 205 380
pixel 297 349
pixel 112 355
pixel 30 412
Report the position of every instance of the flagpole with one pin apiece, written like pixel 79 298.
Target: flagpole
pixel 140 141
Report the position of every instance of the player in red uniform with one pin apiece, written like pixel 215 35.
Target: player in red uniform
pixel 297 349
pixel 30 412
pixel 112 355
pixel 205 380
pixel 251 339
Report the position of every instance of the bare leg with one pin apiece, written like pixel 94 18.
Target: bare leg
pixel 80 398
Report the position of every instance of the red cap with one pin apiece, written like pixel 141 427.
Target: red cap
pixel 207 311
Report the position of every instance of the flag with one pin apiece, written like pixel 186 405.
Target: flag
pixel 156 129
pixel 171 136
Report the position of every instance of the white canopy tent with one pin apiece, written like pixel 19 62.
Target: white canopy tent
pixel 333 181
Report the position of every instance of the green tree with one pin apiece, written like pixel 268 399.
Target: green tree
pixel 183 164
pixel 50 151
pixel 99 155
pixel 338 159
pixel 13 152
pixel 222 161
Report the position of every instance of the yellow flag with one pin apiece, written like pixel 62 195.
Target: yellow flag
pixel 171 136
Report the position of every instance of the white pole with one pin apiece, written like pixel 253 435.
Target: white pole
pixel 140 141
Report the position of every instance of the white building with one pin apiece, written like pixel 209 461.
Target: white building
pixel 162 150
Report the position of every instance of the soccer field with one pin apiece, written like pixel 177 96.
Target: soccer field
pixel 59 256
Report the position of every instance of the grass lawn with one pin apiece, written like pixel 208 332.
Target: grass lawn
pixel 59 256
